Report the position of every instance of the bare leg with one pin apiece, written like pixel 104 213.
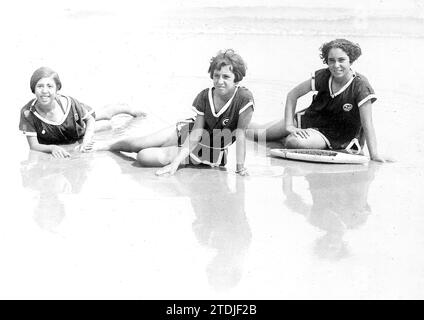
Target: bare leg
pixel 109 111
pixel 102 125
pixel 163 138
pixel 274 130
pixel 157 157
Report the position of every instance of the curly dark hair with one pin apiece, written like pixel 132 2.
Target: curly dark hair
pixel 228 58
pixel 353 50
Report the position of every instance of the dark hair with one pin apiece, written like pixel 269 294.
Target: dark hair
pixel 228 58
pixel 353 50
pixel 44 72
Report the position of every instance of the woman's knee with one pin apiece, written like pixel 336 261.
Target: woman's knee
pixel 295 142
pixel 145 157
pixel 154 157
pixel 313 142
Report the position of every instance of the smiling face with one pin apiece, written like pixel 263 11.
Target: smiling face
pixel 46 91
pixel 223 81
pixel 338 63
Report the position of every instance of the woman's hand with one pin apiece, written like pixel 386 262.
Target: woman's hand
pixel 378 158
pixel 298 132
pixel 242 171
pixel 59 152
pixel 85 147
pixel 169 170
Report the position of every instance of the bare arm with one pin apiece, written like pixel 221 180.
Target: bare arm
pixel 188 146
pixel 89 130
pixel 86 144
pixel 291 101
pixel 365 112
pixel 243 123
pixel 56 151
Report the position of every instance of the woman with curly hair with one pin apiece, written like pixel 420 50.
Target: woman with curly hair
pixel 340 115
pixel 223 112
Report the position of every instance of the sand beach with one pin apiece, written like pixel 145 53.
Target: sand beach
pixel 97 226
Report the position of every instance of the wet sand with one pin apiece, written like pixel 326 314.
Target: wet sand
pixel 99 226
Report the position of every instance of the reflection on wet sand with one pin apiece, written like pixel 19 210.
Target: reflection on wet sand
pixel 218 202
pixel 339 202
pixel 220 223
pixel 51 178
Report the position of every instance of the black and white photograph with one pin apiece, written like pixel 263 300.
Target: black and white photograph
pixel 212 150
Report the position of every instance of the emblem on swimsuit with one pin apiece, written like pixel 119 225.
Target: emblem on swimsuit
pixel 225 121
pixel 347 107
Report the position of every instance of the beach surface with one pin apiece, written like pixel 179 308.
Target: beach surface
pixel 99 226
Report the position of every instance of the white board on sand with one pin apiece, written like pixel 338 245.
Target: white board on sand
pixel 316 155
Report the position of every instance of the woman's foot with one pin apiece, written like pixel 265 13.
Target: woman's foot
pixel 111 110
pixel 125 108
pixel 100 146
